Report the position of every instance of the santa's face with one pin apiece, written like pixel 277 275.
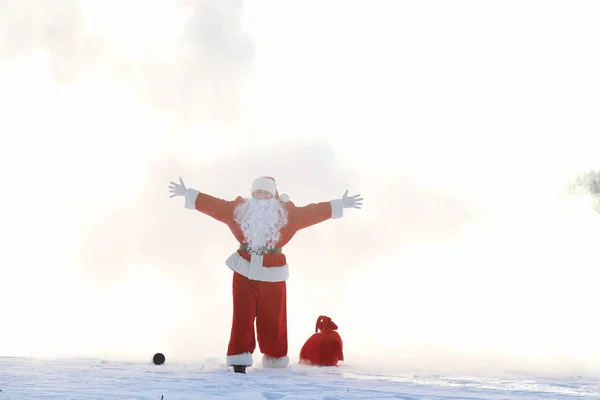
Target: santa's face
pixel 261 221
pixel 262 194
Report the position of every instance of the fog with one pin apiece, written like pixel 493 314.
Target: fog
pixel 462 125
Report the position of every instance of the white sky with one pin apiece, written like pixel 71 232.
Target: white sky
pixel 439 113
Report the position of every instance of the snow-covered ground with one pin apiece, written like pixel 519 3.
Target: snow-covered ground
pixel 88 379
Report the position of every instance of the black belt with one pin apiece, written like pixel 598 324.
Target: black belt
pixel 275 250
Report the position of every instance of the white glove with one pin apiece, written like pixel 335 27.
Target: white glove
pixel 352 202
pixel 177 190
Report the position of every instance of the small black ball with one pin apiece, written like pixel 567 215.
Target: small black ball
pixel 158 359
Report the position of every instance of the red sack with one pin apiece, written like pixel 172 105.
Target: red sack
pixel 323 348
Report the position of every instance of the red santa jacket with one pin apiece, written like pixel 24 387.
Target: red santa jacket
pixel 267 267
pixel 325 347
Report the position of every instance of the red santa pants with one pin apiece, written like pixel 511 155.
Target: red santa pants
pixel 265 302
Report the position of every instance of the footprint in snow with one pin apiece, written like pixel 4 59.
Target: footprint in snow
pixel 273 396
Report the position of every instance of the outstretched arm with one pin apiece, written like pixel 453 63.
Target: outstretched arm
pixel 312 214
pixel 219 209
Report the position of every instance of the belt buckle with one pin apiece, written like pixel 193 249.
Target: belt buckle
pixel 258 251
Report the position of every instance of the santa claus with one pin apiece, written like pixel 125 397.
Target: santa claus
pixel 262 224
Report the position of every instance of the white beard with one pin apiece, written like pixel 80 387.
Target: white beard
pixel 261 222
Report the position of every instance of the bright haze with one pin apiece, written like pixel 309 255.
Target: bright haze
pixel 458 122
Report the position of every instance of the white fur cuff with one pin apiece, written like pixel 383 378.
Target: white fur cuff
pixel 240 359
pixel 337 209
pixel 190 199
pixel 275 362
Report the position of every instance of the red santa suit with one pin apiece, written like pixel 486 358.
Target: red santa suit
pixel 259 276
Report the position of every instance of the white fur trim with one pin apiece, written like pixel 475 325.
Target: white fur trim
pixel 190 199
pixel 240 359
pixel 264 184
pixel 284 198
pixel 254 270
pixel 275 362
pixel 337 209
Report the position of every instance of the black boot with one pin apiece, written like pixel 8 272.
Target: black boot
pixel 240 369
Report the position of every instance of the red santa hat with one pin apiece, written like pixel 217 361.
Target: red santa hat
pixel 268 184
